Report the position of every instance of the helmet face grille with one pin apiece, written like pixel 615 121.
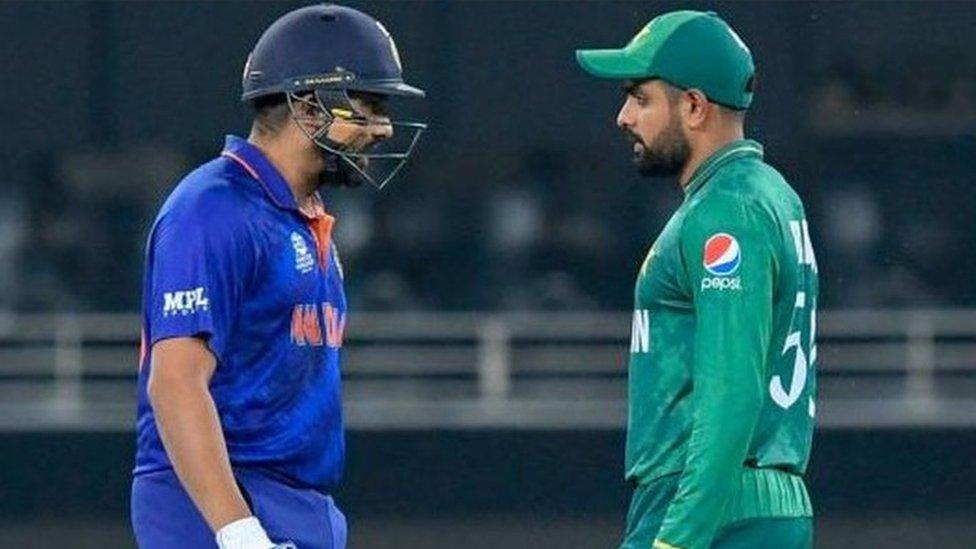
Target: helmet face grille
pixel 377 163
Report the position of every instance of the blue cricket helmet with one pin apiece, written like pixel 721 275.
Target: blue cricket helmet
pixel 316 56
pixel 325 47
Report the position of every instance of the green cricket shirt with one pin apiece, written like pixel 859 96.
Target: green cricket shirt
pixel 721 374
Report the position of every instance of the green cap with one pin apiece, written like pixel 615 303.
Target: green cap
pixel 688 49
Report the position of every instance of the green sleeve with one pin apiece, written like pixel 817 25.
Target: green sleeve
pixel 732 333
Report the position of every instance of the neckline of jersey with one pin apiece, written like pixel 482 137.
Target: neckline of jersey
pixel 257 165
pixel 734 150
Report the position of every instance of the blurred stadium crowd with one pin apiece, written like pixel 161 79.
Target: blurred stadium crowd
pixel 521 195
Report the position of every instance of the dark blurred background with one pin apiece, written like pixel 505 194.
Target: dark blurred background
pixel 520 197
pixel 521 194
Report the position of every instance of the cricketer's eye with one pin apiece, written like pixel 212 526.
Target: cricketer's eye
pixel 638 97
pixel 370 105
pixel 376 108
pixel 632 90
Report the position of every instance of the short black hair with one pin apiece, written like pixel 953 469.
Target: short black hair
pixel 271 113
pixel 673 93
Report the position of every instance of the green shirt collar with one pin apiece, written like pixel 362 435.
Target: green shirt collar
pixel 734 150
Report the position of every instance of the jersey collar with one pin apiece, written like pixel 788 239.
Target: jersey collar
pixel 260 168
pixel 737 149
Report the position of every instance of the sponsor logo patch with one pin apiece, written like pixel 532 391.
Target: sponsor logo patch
pixel 722 255
pixel 185 302
pixel 721 283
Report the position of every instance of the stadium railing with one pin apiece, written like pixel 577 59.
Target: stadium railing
pixel 877 369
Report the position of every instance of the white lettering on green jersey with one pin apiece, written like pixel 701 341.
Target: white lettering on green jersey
pixel 723 345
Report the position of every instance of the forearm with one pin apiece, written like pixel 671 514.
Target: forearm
pixel 190 429
pixel 728 394
pixel 732 333
pixel 716 452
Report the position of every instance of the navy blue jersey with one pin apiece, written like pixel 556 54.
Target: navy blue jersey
pixel 233 261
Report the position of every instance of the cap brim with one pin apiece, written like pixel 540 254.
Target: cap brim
pixel 617 64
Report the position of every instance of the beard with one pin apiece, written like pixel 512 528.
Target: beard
pixel 666 155
pixel 338 173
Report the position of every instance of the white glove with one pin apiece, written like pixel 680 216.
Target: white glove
pixel 247 533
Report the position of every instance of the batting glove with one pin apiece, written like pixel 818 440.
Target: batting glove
pixel 247 533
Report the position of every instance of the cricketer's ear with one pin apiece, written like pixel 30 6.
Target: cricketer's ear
pixel 695 108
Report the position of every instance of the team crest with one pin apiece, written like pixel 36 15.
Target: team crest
pixel 304 260
pixel 722 255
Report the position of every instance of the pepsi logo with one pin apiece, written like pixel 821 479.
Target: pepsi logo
pixel 722 254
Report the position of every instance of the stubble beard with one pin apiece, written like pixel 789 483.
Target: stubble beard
pixel 339 174
pixel 666 155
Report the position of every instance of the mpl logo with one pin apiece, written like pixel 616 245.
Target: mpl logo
pixel 722 254
pixel 185 302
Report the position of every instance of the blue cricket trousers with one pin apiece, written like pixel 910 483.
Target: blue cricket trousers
pixel 164 517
